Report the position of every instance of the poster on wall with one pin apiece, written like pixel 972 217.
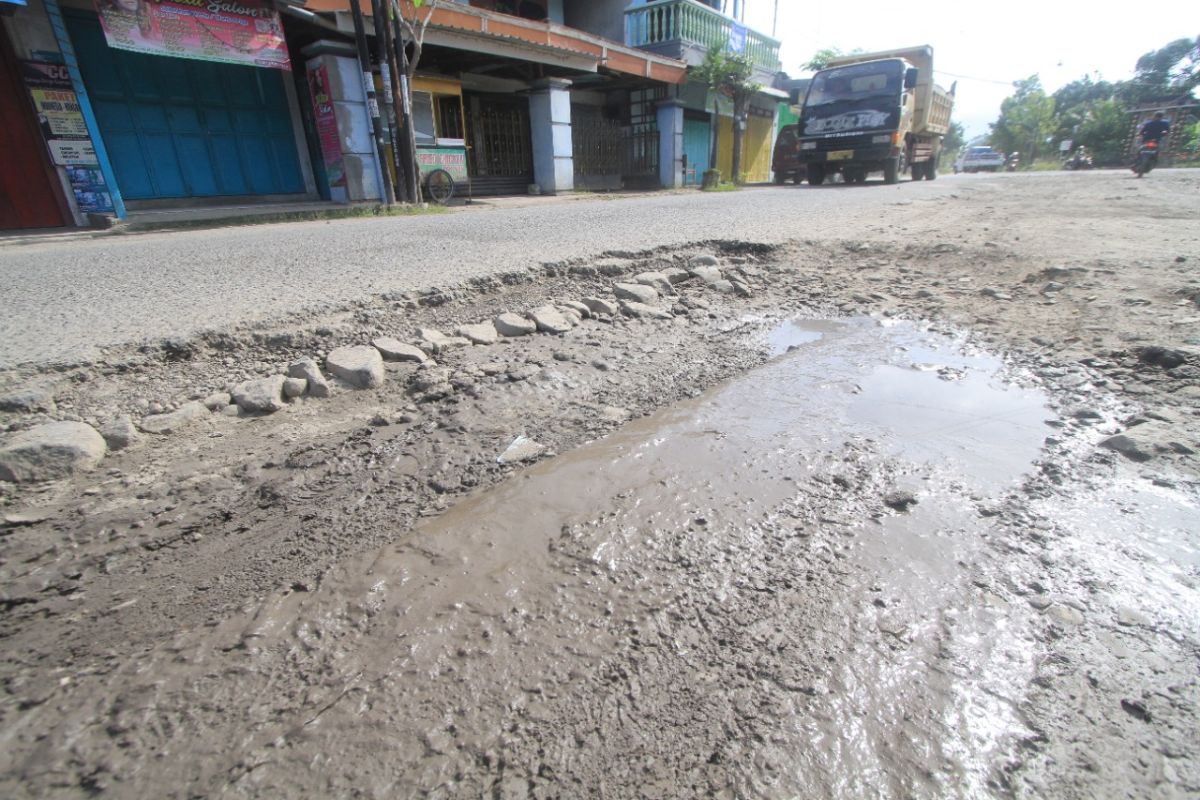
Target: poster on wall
pixel 228 31
pixel 65 131
pixel 327 126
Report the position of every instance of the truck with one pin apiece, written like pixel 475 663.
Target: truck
pixel 874 112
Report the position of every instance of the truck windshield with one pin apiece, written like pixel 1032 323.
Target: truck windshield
pixel 857 81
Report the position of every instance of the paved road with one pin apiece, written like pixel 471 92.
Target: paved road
pixel 63 297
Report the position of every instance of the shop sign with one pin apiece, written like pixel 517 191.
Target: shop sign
pixel 327 126
pixel 65 131
pixel 451 159
pixel 227 31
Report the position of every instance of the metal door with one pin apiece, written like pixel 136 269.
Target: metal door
pixel 697 148
pixel 177 128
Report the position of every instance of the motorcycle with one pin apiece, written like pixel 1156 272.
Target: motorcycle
pixel 1012 162
pixel 1081 160
pixel 1147 158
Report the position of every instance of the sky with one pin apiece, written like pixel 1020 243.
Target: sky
pixel 984 47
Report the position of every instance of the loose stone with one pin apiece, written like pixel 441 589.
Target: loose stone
pixel 173 421
pixel 509 324
pixel 635 309
pixel 119 433
pixel 217 401
pixel 396 350
pixel 550 320
pixel 635 292
pixel 307 369
pixel 51 451
pixel 294 387
pixel 361 366
pixel 598 305
pixel 482 333
pixel 262 395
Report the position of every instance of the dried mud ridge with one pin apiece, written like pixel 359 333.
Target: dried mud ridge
pixel 134 666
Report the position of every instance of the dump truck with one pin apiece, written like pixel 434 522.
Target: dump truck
pixel 874 112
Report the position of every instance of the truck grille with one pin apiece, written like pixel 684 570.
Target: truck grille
pixel 844 143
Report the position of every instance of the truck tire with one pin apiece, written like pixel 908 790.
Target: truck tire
pixel 931 170
pixel 891 170
pixel 780 178
pixel 816 175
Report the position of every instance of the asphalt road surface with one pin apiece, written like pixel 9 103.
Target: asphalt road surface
pixel 64 298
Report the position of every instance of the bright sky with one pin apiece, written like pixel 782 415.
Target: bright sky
pixel 985 47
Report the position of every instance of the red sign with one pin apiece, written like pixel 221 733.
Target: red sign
pixel 227 31
pixel 327 127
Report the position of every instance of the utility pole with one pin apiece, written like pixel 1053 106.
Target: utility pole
pixel 364 62
pixel 387 70
pixel 775 22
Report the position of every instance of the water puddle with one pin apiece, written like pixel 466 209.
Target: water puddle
pixel 513 593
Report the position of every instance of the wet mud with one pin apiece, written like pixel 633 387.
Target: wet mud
pixel 823 540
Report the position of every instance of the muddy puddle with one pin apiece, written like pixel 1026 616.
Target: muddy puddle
pixel 713 599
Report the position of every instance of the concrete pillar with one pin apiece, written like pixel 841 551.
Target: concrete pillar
pixel 550 129
pixel 670 144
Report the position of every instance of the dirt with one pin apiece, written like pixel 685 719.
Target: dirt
pixel 750 561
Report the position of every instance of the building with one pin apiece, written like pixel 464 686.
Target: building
pixel 125 105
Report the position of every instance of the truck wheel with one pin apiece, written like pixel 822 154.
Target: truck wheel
pixel 780 178
pixel 816 175
pixel 891 170
pixel 931 170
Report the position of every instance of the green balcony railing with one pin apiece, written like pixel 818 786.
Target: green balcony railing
pixel 659 24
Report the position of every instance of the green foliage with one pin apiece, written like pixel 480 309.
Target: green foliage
pixel 729 74
pixel 1026 119
pixel 1103 131
pixel 1171 72
pixel 821 58
pixel 954 141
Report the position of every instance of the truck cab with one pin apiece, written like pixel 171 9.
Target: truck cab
pixel 871 113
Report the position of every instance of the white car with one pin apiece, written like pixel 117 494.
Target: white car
pixel 979 159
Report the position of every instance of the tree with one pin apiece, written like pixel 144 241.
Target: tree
pixel 954 141
pixel 1103 131
pixel 728 74
pixel 1026 119
pixel 822 57
pixel 1171 72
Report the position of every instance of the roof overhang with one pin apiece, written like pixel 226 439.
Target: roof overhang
pixel 479 30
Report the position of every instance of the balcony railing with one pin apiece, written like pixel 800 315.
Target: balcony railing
pixel 658 25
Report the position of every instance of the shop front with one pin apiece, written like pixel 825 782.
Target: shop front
pixel 147 105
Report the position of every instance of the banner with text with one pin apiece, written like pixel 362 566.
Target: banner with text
pixel 227 31
pixel 65 131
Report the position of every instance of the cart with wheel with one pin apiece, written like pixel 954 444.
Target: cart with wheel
pixel 443 170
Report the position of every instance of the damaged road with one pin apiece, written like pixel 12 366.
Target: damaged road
pixel 902 515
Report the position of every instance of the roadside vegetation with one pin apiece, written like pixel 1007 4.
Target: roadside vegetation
pixel 1096 113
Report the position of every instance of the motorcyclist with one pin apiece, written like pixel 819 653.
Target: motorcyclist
pixel 1152 133
pixel 1155 130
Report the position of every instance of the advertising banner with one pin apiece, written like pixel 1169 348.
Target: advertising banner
pixel 65 131
pixel 227 31
pixel 451 159
pixel 327 126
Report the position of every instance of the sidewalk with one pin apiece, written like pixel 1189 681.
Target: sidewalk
pixel 159 220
